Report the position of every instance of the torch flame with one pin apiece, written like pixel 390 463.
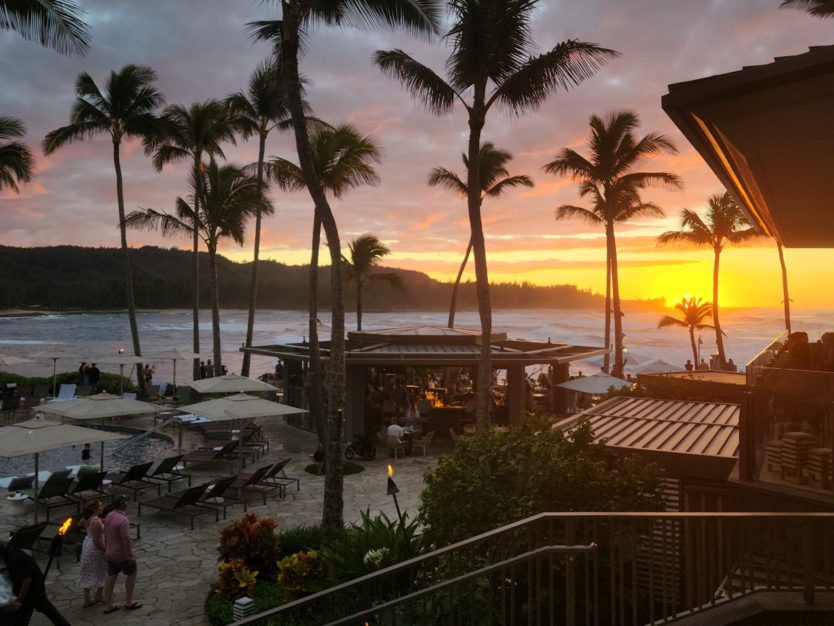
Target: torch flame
pixel 390 471
pixel 65 526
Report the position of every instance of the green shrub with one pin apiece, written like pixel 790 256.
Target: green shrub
pixel 301 574
pixel 374 543
pixel 235 579
pixel 495 478
pixel 252 539
pixel 348 468
pixel 300 539
pixel 108 382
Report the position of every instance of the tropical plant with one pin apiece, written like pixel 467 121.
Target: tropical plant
pixel 300 539
pixel 493 179
pixel 287 34
pixel 228 197
pixel 257 112
pixel 301 574
pixel 192 133
pixel 530 469
pixel 235 579
pixel 17 164
pixel 493 61
pixel 609 178
pixel 693 314
pixel 343 159
pixel 817 8
pixel 56 24
pixel 124 109
pixel 724 224
pixel 252 539
pixel 365 252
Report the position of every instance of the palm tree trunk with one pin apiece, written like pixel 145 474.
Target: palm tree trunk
pixel 215 310
pixel 316 405
pixel 785 296
pixel 456 286
pixel 719 337
pixel 253 288
pixel 358 303
pixel 615 298
pixel 333 508
pixel 476 124
pixel 131 303
pixel 195 268
pixel 606 366
pixel 694 347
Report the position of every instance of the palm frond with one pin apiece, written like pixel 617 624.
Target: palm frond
pixel 817 8
pixel 70 134
pixel 520 180
pixel 286 174
pixel 56 24
pixel 570 163
pixel 420 81
pixel 17 163
pixel 420 18
pixel 571 212
pixel 447 179
pixel 151 219
pixel 668 320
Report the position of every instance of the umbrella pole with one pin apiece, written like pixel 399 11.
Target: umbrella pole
pixel 37 469
pixel 175 386
pixel 54 375
pixel 101 463
pixel 180 437
pixel 121 379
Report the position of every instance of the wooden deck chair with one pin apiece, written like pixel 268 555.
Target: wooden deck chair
pixel 182 503
pixel 135 480
pixel 167 471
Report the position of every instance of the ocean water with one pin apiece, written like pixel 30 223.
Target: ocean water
pixel 95 334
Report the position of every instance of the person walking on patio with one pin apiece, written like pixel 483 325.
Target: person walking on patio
pixel 28 587
pixel 119 555
pixel 93 573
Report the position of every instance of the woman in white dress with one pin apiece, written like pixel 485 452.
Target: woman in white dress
pixel 93 564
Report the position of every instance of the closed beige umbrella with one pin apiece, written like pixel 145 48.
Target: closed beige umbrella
pixel 230 383
pixel 38 435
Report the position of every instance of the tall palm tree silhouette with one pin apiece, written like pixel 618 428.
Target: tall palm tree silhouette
pixel 693 314
pixel 494 180
pixel 723 224
pixel 609 179
pixel 125 108
pixel 364 253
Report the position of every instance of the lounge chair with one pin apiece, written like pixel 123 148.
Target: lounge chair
pixel 167 471
pixel 182 503
pixel 55 494
pixel 216 496
pixel 278 476
pixel 27 537
pixel 135 480
pixel 88 487
pixel 65 392
pixel 58 476
pixel 22 483
pixel 424 442
pixel 209 455
pixel 251 488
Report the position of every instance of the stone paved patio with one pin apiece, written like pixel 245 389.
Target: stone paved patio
pixel 177 565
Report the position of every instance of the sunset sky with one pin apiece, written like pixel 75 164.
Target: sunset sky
pixel 199 49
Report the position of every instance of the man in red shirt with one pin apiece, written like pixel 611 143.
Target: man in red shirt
pixel 119 554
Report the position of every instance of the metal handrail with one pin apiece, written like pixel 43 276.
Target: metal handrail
pixel 489 536
pixel 142 436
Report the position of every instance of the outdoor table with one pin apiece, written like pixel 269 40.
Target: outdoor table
pixel 18 501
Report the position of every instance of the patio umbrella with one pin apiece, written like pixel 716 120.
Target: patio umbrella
pixel 656 366
pixel 7 360
pixel 121 360
pixel 632 359
pixel 52 355
pixel 174 355
pixel 239 406
pixel 594 385
pixel 38 435
pixel 230 383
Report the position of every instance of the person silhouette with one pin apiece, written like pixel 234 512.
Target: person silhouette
pixel 688 365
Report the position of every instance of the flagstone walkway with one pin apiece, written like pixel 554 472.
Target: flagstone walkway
pixel 177 565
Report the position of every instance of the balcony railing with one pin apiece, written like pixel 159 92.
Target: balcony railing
pixel 586 568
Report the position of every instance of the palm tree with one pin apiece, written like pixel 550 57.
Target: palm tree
pixel 126 108
pixel 418 16
pixel 493 61
pixel 693 314
pixel 786 299
pixel 493 179
pixel 365 252
pixel 609 178
pixel 17 164
pixel 56 24
pixel 192 133
pixel 725 224
pixel 817 8
pixel 343 159
pixel 229 197
pixel 257 112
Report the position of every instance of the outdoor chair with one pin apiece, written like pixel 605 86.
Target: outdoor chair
pixel 55 494
pixel 88 487
pixel 215 495
pixel 251 489
pixel 209 455
pixel 58 476
pixel 168 472
pixel 278 476
pixel 65 392
pixel 424 442
pixel 26 537
pixel 22 483
pixel 135 480
pixel 182 503
pixel 395 446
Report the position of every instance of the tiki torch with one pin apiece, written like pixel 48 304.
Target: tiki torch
pixel 57 545
pixel 393 490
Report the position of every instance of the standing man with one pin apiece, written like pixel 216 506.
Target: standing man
pixel 119 555
pixel 94 374
pixel 28 588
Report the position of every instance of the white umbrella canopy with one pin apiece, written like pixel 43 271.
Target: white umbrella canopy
pixel 99 406
pixel 595 385
pixel 656 366
pixel 7 360
pixel 632 359
pixel 230 383
pixel 239 406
